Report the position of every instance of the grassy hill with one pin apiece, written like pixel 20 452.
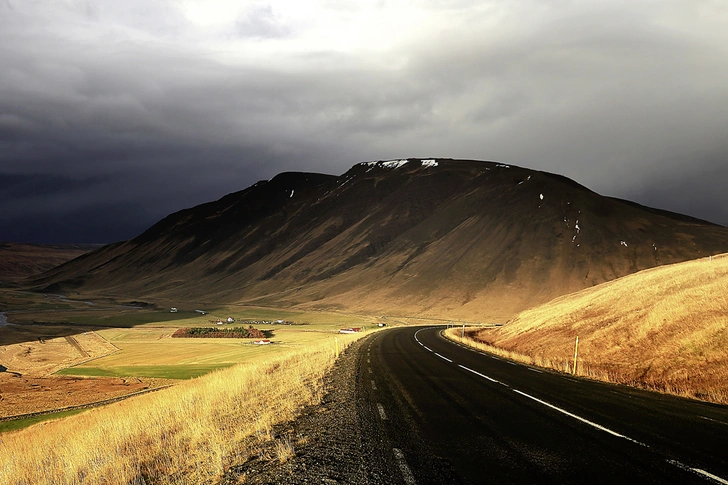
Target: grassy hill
pixel 20 261
pixel 664 328
pixel 439 238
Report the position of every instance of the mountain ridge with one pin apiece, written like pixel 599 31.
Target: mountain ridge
pixel 461 238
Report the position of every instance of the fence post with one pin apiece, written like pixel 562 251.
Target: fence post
pixel 576 353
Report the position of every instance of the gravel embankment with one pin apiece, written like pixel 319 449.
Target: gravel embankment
pixel 326 438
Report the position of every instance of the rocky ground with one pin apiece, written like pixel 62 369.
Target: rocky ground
pixel 328 442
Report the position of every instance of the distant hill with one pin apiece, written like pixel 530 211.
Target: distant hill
pixel 448 238
pixel 663 328
pixel 19 261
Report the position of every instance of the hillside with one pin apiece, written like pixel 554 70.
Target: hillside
pixel 664 328
pixel 20 261
pixel 450 238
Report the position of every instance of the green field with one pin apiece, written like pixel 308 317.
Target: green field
pixel 148 350
pixel 143 335
pixel 162 371
pixel 24 423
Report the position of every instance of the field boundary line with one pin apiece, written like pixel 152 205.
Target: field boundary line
pixel 81 406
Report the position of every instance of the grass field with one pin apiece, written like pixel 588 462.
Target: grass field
pixel 190 433
pixel 664 328
pixel 161 371
pixel 147 350
pixel 111 347
pixel 24 423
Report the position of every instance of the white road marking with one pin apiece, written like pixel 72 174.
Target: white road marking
pixel 479 374
pixel 426 347
pixel 709 475
pixel 583 420
pixel 374 385
pixel 369 361
pixel 714 420
pixel 409 479
pixel 382 414
pixel 370 370
pixel 442 357
pixel 703 473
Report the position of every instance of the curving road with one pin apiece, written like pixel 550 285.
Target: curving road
pixel 435 412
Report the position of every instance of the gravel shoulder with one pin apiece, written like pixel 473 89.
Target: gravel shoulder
pixel 327 439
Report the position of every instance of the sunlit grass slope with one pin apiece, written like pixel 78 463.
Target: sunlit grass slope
pixel 186 434
pixel 665 328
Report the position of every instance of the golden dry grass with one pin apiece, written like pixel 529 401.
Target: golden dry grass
pixel 665 329
pixel 190 433
pixel 42 356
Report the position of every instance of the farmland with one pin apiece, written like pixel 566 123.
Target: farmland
pixel 58 352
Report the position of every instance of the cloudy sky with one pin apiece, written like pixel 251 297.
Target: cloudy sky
pixel 116 113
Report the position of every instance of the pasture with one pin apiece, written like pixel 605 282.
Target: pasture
pixel 60 352
pixel 146 348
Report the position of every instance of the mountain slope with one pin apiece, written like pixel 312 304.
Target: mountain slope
pixel 452 238
pixel 663 328
pixel 19 261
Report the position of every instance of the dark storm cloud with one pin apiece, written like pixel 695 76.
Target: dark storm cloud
pixel 105 107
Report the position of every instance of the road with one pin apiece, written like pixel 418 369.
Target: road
pixel 436 412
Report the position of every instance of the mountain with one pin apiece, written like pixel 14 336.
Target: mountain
pixel 449 238
pixel 19 261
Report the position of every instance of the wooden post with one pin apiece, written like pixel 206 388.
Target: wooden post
pixel 336 340
pixel 576 353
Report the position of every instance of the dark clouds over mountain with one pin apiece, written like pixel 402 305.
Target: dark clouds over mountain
pixel 113 114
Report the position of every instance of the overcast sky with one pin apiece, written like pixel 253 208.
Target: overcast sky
pixel 115 113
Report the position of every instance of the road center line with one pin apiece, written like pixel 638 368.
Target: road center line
pixel 442 357
pixel 479 374
pixel 700 472
pixel 535 370
pixel 703 473
pixel 583 420
pixel 374 385
pixel 709 475
pixel 713 420
pixel 409 479
pixel 382 414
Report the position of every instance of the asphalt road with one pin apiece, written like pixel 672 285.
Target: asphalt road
pixel 436 412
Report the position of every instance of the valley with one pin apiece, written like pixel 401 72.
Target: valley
pixel 521 262
pixel 59 352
